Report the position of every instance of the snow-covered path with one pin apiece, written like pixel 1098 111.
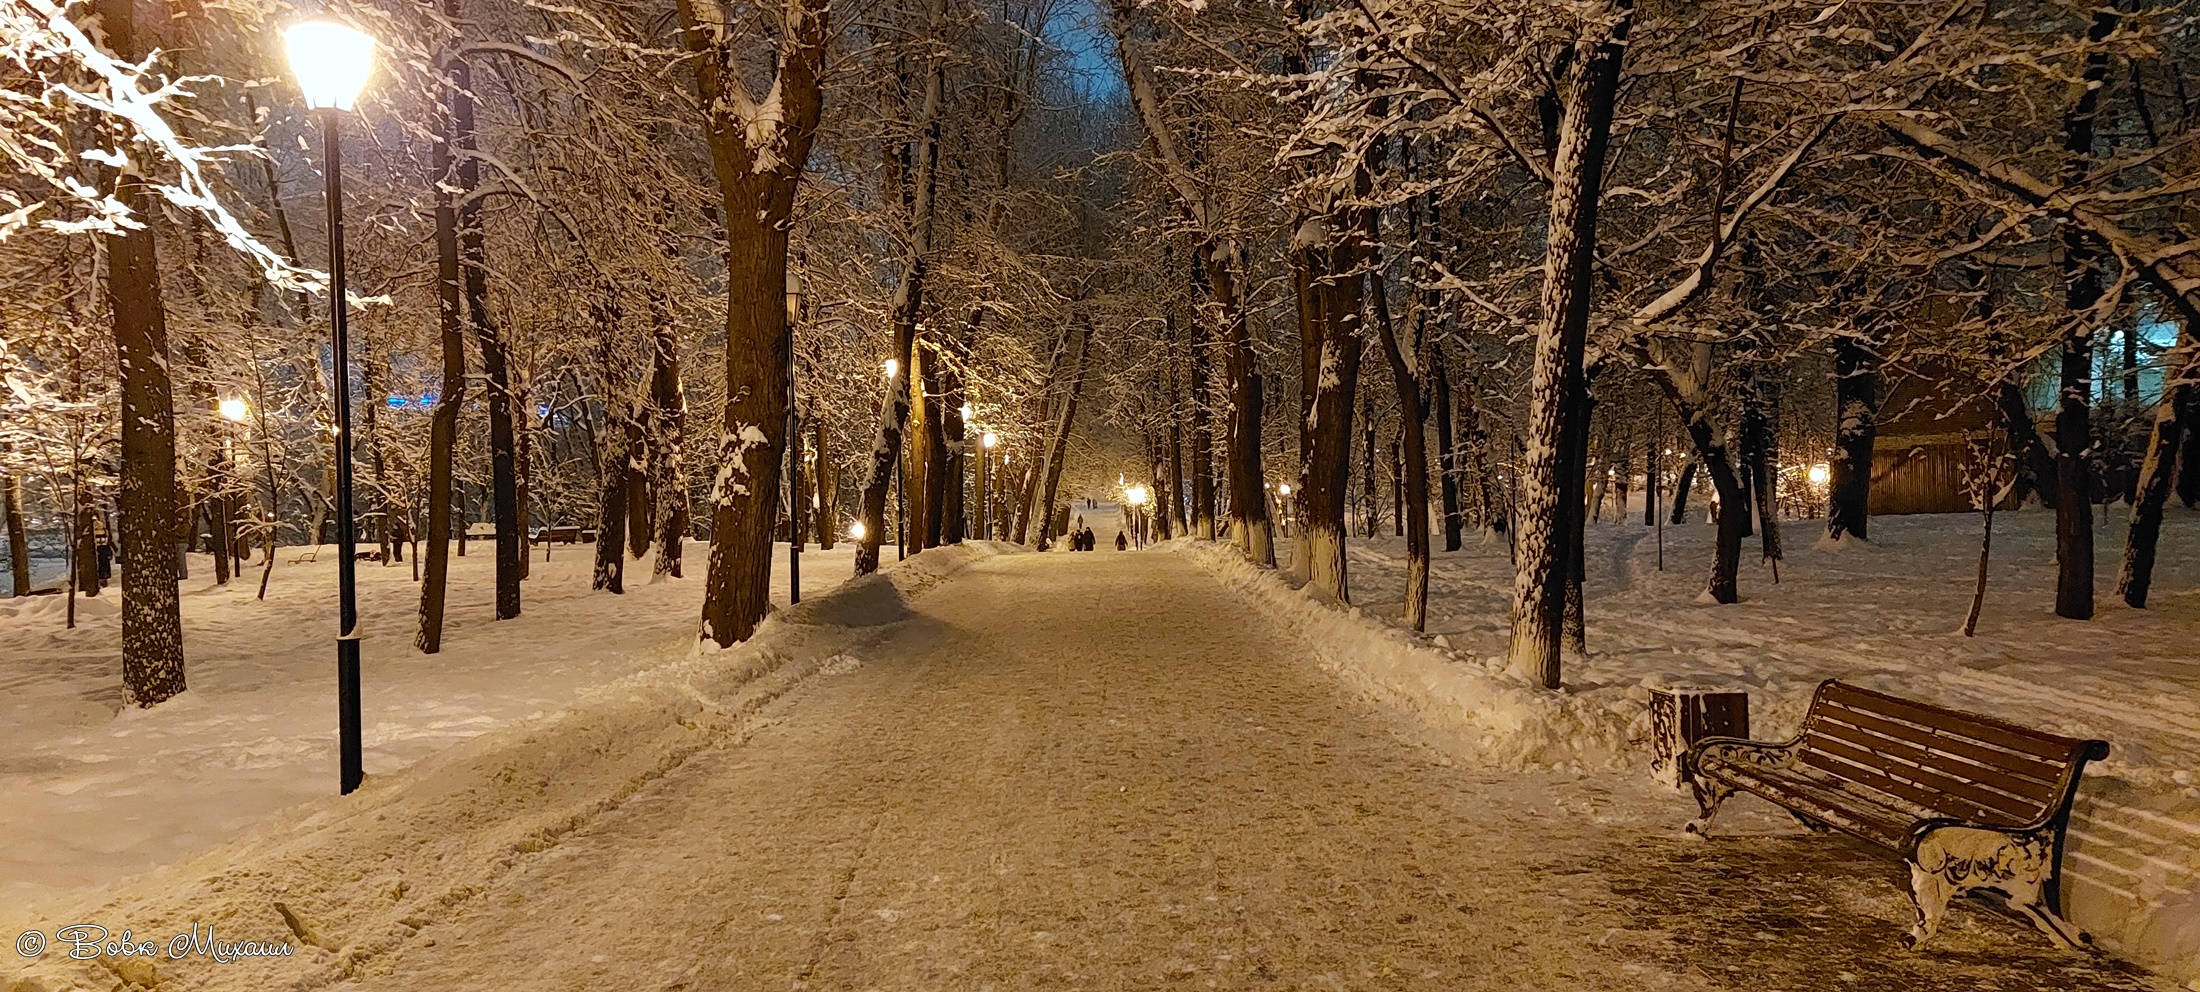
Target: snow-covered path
pixel 1104 772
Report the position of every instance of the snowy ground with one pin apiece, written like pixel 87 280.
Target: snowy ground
pixel 96 792
pixel 1097 771
pixel 1883 615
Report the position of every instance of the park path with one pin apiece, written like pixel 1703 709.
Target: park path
pixel 1102 771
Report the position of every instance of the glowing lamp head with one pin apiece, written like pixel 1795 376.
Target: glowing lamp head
pixel 856 530
pixel 990 439
pixel 967 410
pixel 1136 495
pixel 892 367
pixel 1819 473
pixel 232 409
pixel 1284 489
pixel 332 62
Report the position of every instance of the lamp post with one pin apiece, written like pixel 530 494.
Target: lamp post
pixel 794 448
pixel 332 62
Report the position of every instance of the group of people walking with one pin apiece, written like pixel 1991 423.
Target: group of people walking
pixel 1081 538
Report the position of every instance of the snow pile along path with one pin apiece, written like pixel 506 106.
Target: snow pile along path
pixel 347 879
pixel 1490 717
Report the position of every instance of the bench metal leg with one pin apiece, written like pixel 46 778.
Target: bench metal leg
pixel 1708 797
pixel 1929 895
pixel 1954 860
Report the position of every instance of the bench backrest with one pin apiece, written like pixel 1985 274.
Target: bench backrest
pixel 1950 762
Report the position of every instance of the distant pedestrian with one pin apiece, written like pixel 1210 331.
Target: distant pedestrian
pixel 1120 543
pixel 1091 543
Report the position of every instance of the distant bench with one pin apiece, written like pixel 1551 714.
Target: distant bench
pixel 1971 803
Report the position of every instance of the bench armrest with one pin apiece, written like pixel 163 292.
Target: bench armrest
pixel 1765 753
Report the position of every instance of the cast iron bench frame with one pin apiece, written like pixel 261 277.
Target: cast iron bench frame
pixel 1969 802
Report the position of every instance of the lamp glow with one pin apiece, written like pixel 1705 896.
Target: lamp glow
pixel 1819 473
pixel 990 439
pixel 232 409
pixel 1284 489
pixel 332 62
pixel 967 410
pixel 892 367
pixel 856 530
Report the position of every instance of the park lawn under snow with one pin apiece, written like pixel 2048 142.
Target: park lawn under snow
pixel 1884 615
pixel 96 791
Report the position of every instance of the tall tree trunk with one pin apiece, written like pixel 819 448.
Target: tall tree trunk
pixel 1058 443
pixel 931 455
pixel 668 423
pixel 19 547
pixel 1577 170
pixel 1327 262
pixel 1173 523
pixel 152 624
pixel 758 174
pixel 1447 452
pixel 504 468
pixel 1203 437
pixel 2179 383
pixel 1855 428
pixel 1248 499
pixel 908 302
pixel 451 394
pixel 954 515
pixel 2083 285
pixel 1414 441
pixel 828 488
pixel 614 456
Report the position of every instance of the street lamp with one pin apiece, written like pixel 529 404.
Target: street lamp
pixel 794 447
pixel 1819 473
pixel 332 62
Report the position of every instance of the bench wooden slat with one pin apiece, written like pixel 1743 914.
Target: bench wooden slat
pixel 1932 779
pixel 1871 818
pixel 2048 774
pixel 2051 747
pixel 2034 794
pixel 1938 803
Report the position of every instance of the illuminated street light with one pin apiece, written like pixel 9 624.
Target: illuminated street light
pixel 1819 473
pixel 892 367
pixel 332 62
pixel 856 530
pixel 232 410
pixel 990 439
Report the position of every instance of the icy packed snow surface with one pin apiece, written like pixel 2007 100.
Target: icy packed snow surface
pixel 1884 615
pixel 1084 771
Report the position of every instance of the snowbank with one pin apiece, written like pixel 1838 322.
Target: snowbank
pixel 343 879
pixel 1884 615
pixel 1489 717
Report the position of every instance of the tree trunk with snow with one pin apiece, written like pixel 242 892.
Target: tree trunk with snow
pixel 908 303
pixel 19 547
pixel 667 426
pixel 1447 454
pixel 614 458
pixel 1577 169
pixel 152 625
pixel 504 456
pixel 450 395
pixel 2084 282
pixel 1326 274
pixel 1049 475
pixel 2171 428
pixel 758 161
pixel 1855 415
pixel 1203 436
pixel 1414 441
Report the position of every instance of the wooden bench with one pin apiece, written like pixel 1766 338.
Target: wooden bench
pixel 1971 803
